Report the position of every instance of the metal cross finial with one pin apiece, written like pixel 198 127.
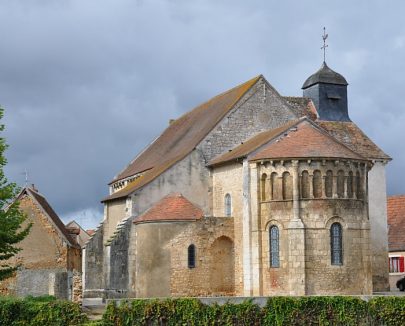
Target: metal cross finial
pixel 324 37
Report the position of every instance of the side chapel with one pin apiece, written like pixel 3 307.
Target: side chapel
pixel 249 194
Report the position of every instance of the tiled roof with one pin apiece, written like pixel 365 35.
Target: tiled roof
pixel 349 134
pixel 396 222
pixel 52 215
pixel 173 207
pixel 305 141
pixel 252 144
pixel 184 133
pixel 296 139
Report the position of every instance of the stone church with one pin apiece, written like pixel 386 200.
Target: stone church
pixel 249 194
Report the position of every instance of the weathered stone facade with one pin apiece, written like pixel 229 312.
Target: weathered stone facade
pixel 49 254
pixel 310 199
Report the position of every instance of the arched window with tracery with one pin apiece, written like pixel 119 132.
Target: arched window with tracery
pixel 305 184
pixel 191 256
pixel 336 244
pixel 263 187
pixel 228 205
pixel 274 239
pixel 341 184
pixel 329 184
pixel 273 186
pixel 350 185
pixel 317 184
pixel 287 186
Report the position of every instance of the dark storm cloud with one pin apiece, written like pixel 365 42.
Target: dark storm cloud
pixel 87 84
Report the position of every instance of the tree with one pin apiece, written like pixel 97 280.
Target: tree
pixel 11 217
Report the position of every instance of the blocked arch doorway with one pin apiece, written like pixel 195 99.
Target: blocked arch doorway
pixel 222 271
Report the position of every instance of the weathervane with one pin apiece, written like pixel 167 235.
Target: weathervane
pixel 324 37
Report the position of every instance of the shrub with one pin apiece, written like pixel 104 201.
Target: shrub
pixel 317 310
pixel 39 311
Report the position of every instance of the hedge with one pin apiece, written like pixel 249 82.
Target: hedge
pixel 40 311
pixel 337 310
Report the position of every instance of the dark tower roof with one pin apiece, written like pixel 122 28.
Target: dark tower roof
pixel 325 75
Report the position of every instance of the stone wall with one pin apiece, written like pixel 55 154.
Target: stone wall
pixel 45 258
pixel 118 279
pixel 378 223
pixel 353 276
pixel 260 109
pixel 214 271
pixel 228 180
pixel 93 254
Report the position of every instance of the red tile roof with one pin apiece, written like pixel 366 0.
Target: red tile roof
pixel 173 207
pixel 184 133
pixel 351 135
pixel 296 139
pixel 396 222
pixel 306 141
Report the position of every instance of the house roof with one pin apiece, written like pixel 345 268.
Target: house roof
pixel 173 207
pixel 351 135
pixel 48 210
pixel 296 139
pixel 184 133
pixel 302 106
pixel 396 222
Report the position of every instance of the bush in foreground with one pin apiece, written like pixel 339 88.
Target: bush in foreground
pixel 338 310
pixel 39 311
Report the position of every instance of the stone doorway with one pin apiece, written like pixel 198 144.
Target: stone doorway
pixel 222 271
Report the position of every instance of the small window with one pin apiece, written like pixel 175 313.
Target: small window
pixel 397 264
pixel 228 205
pixel 274 247
pixel 191 256
pixel 336 247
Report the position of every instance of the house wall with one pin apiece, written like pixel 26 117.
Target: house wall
pixel 45 258
pixel 394 277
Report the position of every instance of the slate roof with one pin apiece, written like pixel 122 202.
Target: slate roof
pixel 396 222
pixel 43 203
pixel 173 207
pixel 186 132
pixel 325 75
pixel 296 139
pixel 351 135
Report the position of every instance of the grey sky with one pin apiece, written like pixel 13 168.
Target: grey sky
pixel 87 84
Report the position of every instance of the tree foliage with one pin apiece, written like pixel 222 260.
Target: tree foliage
pixel 11 217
